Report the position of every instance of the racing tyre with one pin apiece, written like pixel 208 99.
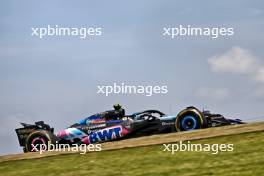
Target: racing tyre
pixel 39 140
pixel 190 119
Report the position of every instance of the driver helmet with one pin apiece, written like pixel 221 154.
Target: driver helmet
pixel 117 107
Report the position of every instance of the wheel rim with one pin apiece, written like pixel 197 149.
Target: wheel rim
pixel 188 123
pixel 36 142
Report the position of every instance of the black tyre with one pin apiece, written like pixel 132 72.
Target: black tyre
pixel 39 140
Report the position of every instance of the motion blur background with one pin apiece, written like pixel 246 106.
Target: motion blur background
pixel 54 79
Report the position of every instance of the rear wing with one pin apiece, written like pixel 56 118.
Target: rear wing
pixel 22 133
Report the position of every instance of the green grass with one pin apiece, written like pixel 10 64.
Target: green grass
pixel 246 159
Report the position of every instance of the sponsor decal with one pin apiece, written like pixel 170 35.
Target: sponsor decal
pixel 167 123
pixel 94 136
pixel 22 130
pixel 96 121
pixel 86 128
pixel 106 134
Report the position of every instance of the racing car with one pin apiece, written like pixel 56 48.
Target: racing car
pixel 96 128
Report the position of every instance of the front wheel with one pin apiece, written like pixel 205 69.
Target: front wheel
pixel 189 119
pixel 189 122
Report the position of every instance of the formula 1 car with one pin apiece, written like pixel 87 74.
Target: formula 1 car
pixel 95 129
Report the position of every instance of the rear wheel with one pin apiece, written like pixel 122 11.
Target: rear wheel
pixel 39 140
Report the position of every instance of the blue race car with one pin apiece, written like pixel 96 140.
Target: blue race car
pixel 100 128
